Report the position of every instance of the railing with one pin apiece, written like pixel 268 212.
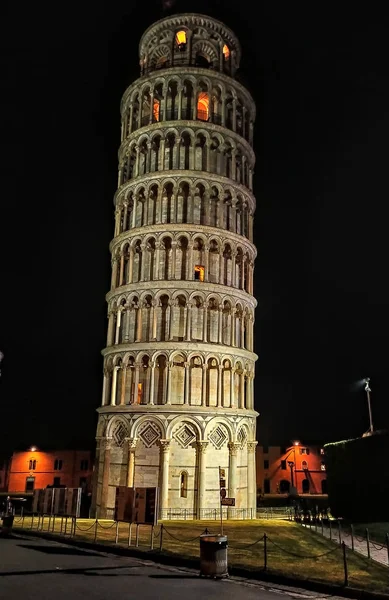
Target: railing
pixel 213 514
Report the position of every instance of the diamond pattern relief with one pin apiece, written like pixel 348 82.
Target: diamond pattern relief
pixel 242 436
pixel 218 437
pixel 119 434
pixel 149 434
pixel 184 435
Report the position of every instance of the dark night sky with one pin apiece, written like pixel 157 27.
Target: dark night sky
pixel 321 84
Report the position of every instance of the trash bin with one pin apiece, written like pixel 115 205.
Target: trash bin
pixel 213 556
pixel 7 524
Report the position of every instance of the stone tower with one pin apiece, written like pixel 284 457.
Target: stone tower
pixel 178 399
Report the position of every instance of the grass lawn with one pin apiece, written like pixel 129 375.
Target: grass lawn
pixel 292 550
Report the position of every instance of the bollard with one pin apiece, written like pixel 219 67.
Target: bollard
pixel 66 525
pixel 137 535
pixel 367 543
pixel 49 525
pixel 152 538
pixel 117 533
pixel 129 533
pixel 340 532
pixel 160 541
pixel 264 552
pixel 345 564
pixel 387 544
pixel 22 520
pixel 352 538
pixel 61 525
pixel 53 529
pixel 96 525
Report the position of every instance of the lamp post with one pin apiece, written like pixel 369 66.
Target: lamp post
pixel 368 390
pixel 291 465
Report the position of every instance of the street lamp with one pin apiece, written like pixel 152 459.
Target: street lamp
pixel 368 390
pixel 291 465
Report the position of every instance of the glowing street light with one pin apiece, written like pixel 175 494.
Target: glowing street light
pixel 33 449
pixel 368 390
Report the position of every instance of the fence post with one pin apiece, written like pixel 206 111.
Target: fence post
pixel 129 533
pixel 137 535
pixel 96 524
pixel 74 526
pixel 387 544
pixel 352 537
pixel 61 525
pixel 32 521
pixel 160 541
pixel 152 538
pixel 367 543
pixel 66 525
pixel 22 520
pixel 264 552
pixel 340 532
pixel 117 533
pixel 345 564
pixel 330 529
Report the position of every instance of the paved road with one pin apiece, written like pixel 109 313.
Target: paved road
pixel 36 569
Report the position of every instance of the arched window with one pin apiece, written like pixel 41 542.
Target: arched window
pixel 304 464
pixel 181 39
pixel 32 465
pixel 305 485
pixel 183 484
pixel 203 106
pixel 226 52
pixel 156 107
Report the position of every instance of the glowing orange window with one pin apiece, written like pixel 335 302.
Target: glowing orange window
pixel 226 52
pixel 203 106
pixel 181 37
pixel 156 110
pixel 199 273
pixel 139 398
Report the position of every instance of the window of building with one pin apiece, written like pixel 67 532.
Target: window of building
pixel 199 272
pixel 321 450
pixel 226 52
pixel 203 106
pixel 305 486
pixel 283 465
pixel 84 465
pixel 266 449
pixel 266 486
pixel 58 464
pixel 304 464
pixel 156 107
pixel 183 484
pixel 30 483
pixel 57 482
pixel 266 464
pixel 181 39
pixel 323 465
pixel 32 465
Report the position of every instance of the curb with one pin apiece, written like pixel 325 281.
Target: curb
pixel 174 560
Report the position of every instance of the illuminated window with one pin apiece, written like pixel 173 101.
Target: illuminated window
pixel 203 106
pixel 32 465
pixel 181 38
pixel 199 272
pixel 226 52
pixel 321 450
pixel 323 466
pixel 304 464
pixel 139 398
pixel 183 484
pixel 156 110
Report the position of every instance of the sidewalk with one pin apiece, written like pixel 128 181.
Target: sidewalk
pixel 378 552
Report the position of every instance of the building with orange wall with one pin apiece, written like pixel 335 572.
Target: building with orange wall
pixel 279 469
pixel 35 469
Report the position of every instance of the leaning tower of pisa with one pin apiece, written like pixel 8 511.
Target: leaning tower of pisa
pixel 178 399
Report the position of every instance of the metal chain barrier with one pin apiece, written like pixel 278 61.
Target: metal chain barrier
pixel 102 526
pixel 247 545
pixel 303 555
pixel 87 528
pixel 181 540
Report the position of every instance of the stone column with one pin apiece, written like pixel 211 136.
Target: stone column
pixel 152 382
pixel 131 446
pixel 204 386
pixel 130 265
pixel 118 323
pixel 105 445
pixel 251 478
pixel 241 390
pixel 205 313
pixel 164 462
pixel 168 324
pixel 233 327
pixel 121 269
pixel 219 385
pixel 232 473
pixel 95 478
pixel 143 257
pixel 123 386
pixel 187 383
pixel 220 327
pixel 174 252
pixel 188 322
pixel 190 262
pixel 169 383
pixel 232 387
pixel 138 337
pixel 201 481
pixel 136 382
pixel 206 260
pixel 156 262
pixel 154 306
pixel 114 265
pixel 104 393
pixel 111 323
pixel 114 385
pixel 241 323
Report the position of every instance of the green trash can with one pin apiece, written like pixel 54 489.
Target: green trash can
pixel 213 556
